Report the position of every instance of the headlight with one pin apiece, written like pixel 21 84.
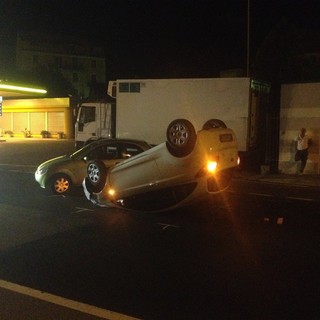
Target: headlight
pixel 42 170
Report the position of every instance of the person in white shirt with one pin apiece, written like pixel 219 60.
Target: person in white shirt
pixel 302 143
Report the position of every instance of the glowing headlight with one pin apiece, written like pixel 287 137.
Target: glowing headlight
pixel 42 170
pixel 212 166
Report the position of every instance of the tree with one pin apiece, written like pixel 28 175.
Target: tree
pixel 54 82
pixel 275 58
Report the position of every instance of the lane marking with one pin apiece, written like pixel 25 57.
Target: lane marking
pixel 18 165
pixel 301 199
pixel 165 225
pixel 25 168
pixel 63 302
pixel 260 194
pixel 79 209
pixel 273 196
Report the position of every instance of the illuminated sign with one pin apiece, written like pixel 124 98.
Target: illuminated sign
pixel 0 106
pixel 22 89
pixel 260 86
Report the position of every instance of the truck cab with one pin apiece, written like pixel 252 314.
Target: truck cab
pixel 94 121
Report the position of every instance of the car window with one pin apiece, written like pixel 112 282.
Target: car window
pixel 110 152
pixel 96 153
pixel 130 150
pixel 114 151
pixel 226 137
pixel 104 152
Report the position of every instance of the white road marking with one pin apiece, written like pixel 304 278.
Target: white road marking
pixel 18 165
pixel 26 168
pixel 260 194
pixel 79 209
pixel 57 195
pixel 297 198
pixel 165 225
pixel 63 302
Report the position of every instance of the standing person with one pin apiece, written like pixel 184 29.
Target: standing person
pixel 303 143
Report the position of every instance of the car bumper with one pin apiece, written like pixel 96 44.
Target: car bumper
pixel 96 198
pixel 40 179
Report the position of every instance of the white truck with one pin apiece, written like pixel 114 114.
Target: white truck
pixel 95 120
pixel 145 107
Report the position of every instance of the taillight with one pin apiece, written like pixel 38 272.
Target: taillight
pixel 111 192
pixel 212 166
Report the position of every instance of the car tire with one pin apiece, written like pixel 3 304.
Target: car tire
pixel 181 137
pixel 96 175
pixel 213 123
pixel 60 184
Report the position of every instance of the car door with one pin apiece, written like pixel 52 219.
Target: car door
pixel 109 153
pixel 137 174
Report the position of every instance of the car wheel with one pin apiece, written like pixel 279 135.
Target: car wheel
pixel 96 174
pixel 213 123
pixel 60 184
pixel 181 137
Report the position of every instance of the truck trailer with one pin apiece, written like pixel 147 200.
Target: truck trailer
pixel 143 108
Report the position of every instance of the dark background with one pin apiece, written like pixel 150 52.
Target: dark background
pixel 148 38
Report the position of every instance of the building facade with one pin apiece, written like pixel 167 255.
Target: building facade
pixel 300 108
pixel 80 62
pixel 43 117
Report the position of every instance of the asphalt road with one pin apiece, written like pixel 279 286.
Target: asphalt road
pixel 252 253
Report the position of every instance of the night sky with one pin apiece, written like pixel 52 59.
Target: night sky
pixel 148 38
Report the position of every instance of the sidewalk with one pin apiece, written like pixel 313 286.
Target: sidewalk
pixel 303 180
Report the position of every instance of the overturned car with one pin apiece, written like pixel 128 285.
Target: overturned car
pixel 184 169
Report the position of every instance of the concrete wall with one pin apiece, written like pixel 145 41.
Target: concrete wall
pixel 300 107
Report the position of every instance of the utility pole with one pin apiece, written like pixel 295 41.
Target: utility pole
pixel 248 38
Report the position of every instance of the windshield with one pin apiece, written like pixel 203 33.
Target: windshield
pixel 81 153
pixel 87 114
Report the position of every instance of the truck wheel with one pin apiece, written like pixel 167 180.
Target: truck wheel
pixel 96 174
pixel 213 123
pixel 181 137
